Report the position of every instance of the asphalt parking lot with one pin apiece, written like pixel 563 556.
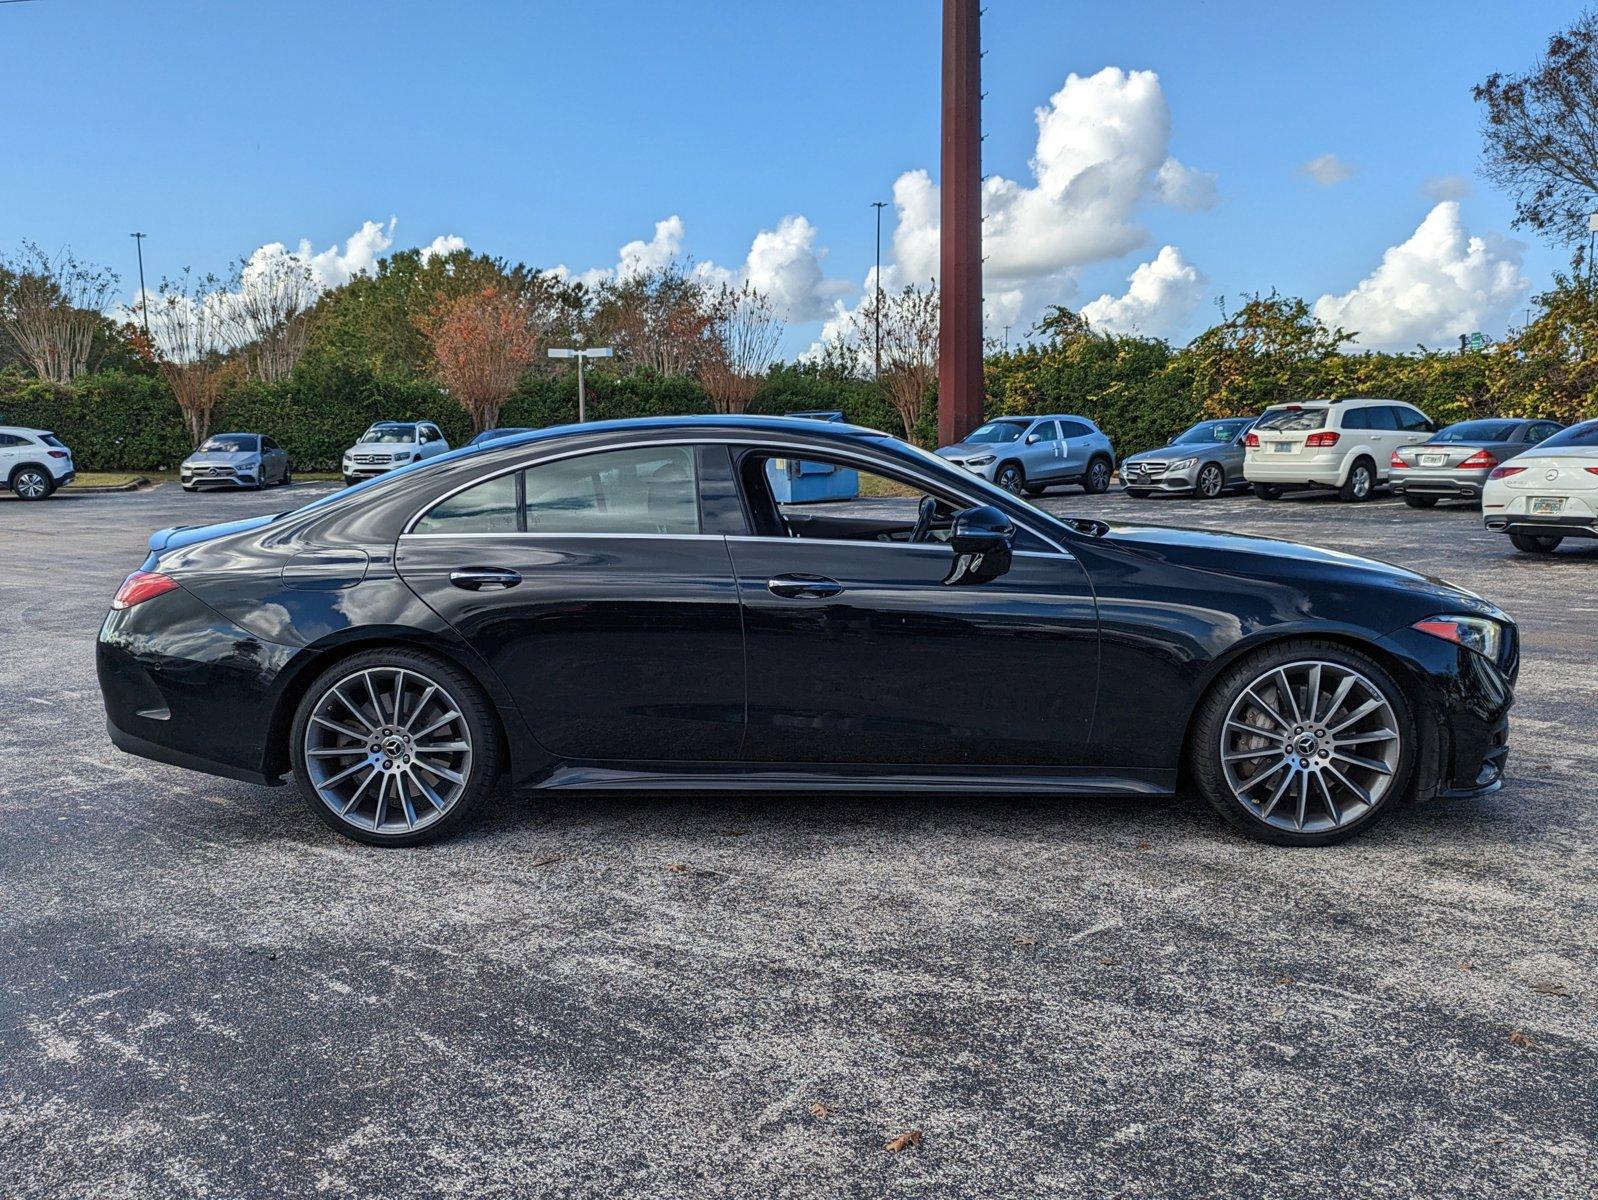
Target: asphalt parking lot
pixel 205 992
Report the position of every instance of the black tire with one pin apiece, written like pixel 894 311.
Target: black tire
pixel 189 487
pixel 32 483
pixel 1011 476
pixel 1415 501
pixel 462 692
pixel 1211 481
pixel 1361 481
pixel 1535 543
pixel 350 481
pixel 1035 489
pixel 288 478
pixel 1204 744
pixel 1097 480
pixel 1267 491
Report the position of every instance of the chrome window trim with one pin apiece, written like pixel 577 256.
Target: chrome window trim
pixel 712 537
pixel 856 457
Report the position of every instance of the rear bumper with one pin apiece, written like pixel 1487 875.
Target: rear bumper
pixel 1446 485
pixel 1319 470
pixel 1583 527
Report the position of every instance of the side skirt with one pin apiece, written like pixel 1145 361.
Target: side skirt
pixel 778 777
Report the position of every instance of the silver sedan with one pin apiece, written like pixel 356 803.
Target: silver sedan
pixel 1453 464
pixel 1203 461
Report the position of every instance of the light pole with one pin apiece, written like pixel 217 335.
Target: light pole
pixel 1592 231
pixel 876 279
pixel 582 356
pixel 144 297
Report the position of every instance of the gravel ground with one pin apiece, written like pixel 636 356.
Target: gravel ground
pixel 204 992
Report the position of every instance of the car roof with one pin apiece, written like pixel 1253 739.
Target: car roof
pixel 747 424
pixel 232 433
pixel 24 429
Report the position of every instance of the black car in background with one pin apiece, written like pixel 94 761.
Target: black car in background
pixel 626 605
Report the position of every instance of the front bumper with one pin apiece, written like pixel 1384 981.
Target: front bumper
pixel 1461 485
pixel 1160 479
pixel 985 470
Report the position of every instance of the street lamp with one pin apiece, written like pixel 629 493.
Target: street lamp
pixel 582 356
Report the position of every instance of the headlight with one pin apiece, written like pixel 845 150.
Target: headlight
pixel 980 460
pixel 1183 465
pixel 404 456
pixel 1481 634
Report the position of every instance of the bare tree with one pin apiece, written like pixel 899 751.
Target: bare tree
pixel 268 312
pixel 51 310
pixel 191 328
pixel 656 319
pixel 1541 134
pixel 908 320
pixel 745 330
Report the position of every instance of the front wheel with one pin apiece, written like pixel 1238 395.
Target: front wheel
pixel 30 483
pixel 1360 482
pixel 1535 543
pixel 394 747
pixel 1267 491
pixel 1098 477
pixel 1211 481
pixel 1011 478
pixel 1303 743
pixel 1415 501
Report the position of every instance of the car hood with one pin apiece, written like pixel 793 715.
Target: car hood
pixel 1271 559
pixel 227 458
pixel 967 449
pixel 1185 450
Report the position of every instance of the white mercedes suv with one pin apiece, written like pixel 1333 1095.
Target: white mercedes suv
pixel 1342 444
pixel 33 462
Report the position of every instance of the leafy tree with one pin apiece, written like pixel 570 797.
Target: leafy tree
pixel 1271 350
pixel 1541 133
pixel 1551 366
pixel 482 345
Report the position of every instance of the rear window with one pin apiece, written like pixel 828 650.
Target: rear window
pixel 1478 431
pixel 1292 420
pixel 50 439
pixel 1585 434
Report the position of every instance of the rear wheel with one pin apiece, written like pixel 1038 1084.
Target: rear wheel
pixel 1361 481
pixel 394 747
pixel 1415 501
pixel 1535 543
pixel 1011 478
pixel 32 483
pixel 1267 491
pixel 1211 481
pixel 1097 479
pixel 1303 743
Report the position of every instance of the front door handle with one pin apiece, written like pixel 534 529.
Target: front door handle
pixel 814 587
pixel 477 579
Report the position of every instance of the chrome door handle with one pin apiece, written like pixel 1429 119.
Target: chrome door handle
pixel 476 579
pixel 813 587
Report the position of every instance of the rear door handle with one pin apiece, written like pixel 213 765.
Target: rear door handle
pixel 477 579
pixel 814 587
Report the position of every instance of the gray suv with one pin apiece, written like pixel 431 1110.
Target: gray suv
pixel 1203 461
pixel 1030 454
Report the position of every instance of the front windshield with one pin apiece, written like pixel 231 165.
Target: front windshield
pixel 229 443
pixel 1293 420
pixel 996 432
pixel 1477 431
pixel 390 435
pixel 1211 431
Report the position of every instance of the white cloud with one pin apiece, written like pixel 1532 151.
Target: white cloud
pixel 1328 170
pixel 1196 191
pixel 1446 187
pixel 443 244
pixel 1161 295
pixel 1438 284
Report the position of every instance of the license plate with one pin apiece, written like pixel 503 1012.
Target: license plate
pixel 1433 460
pixel 1547 506
pixel 1281 447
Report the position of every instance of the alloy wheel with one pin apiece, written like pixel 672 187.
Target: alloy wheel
pixel 1310 746
pixel 1100 476
pixel 388 750
pixel 31 485
pixel 1362 482
pixel 1210 482
pixel 1011 479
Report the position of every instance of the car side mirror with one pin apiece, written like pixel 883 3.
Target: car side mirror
pixel 982 539
pixel 1031 438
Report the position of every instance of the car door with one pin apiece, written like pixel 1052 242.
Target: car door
pixel 863 651
pixel 435 440
pixel 11 450
pixel 1076 447
pixel 588 584
pixel 1040 451
pixel 274 461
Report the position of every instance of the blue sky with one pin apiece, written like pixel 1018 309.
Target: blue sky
pixel 555 133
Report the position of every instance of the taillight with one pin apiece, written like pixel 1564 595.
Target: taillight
pixel 1479 461
pixel 57 453
pixel 139 587
pixel 1504 472
pixel 1327 438
pixel 1395 461
pixel 1252 441
pixel 1591 470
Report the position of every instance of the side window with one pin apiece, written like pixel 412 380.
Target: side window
pixel 652 489
pixel 9 439
pixel 1412 420
pixel 1073 429
pixel 1356 418
pixel 1383 418
pixel 489 507
pixel 431 433
pixel 1044 431
pixel 1541 430
pixel 268 444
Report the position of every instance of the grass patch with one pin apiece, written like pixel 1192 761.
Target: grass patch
pixel 106 478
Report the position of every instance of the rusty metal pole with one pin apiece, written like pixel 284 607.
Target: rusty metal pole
pixel 960 250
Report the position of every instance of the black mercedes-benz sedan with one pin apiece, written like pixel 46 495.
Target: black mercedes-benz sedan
pixel 627 605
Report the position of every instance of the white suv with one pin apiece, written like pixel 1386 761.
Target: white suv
pixel 33 462
pixel 390 444
pixel 1342 444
